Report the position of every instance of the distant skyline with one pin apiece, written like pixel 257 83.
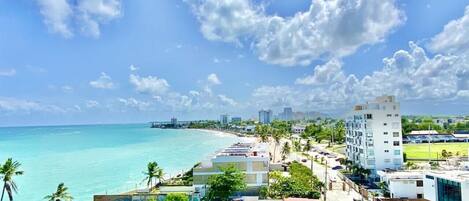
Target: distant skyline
pixel 113 61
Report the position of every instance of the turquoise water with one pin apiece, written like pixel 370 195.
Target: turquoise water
pixel 96 159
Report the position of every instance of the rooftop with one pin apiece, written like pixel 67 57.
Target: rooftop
pixel 456 175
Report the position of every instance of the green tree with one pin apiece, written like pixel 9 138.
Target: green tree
pixel 153 172
pixel 222 186
pixel 61 194
pixel 277 136
pixel 8 170
pixel 285 150
pixel 307 146
pixel 177 197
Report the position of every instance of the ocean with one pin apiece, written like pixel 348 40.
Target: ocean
pixel 99 159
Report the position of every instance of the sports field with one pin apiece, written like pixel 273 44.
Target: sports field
pixel 420 151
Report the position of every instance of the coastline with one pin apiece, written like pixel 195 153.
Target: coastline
pixel 241 137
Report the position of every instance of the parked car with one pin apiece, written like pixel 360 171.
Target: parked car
pixel 339 167
pixel 303 160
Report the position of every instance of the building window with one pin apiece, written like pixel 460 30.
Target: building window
pixel 386 151
pixel 385 124
pixel 396 115
pixel 385 142
pixel 419 196
pixel 395 134
pixel 397 152
pixel 385 133
pixel 419 183
pixel 396 143
pixel 369 116
pixel 389 115
pixel 448 190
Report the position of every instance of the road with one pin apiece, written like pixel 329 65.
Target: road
pixel 336 194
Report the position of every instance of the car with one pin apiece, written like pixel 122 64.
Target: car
pixel 303 160
pixel 339 167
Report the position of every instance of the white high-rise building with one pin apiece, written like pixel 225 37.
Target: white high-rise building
pixel 374 134
pixel 265 116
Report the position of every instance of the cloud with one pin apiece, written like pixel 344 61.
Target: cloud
pixel 150 84
pixel 103 82
pixel 323 74
pixel 326 29
pixel 134 103
pixel 14 105
pixel 86 16
pixel 213 79
pixel 92 104
pixel 7 72
pixel 57 14
pixel 67 89
pixel 227 100
pixel 133 68
pixel 453 38
pixel 408 74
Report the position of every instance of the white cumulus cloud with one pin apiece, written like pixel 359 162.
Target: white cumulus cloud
pixel 103 82
pixel 213 79
pixel 326 29
pixel 66 17
pixel 150 84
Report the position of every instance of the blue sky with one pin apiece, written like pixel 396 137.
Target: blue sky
pixel 67 62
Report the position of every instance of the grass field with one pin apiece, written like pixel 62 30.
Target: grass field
pixel 420 151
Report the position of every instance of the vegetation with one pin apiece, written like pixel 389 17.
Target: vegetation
pixel 61 194
pixel 185 179
pixel 177 197
pixel 204 124
pixel 301 183
pixel 384 189
pixel 334 132
pixel 222 186
pixel 7 171
pixel 285 150
pixel 420 151
pixel 152 173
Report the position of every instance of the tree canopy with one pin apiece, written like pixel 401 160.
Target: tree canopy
pixel 222 186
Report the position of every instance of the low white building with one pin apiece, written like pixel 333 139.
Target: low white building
pixel 298 129
pixel 403 184
pixel 446 185
pixel 250 158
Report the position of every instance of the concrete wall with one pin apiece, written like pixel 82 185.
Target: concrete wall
pixel 404 189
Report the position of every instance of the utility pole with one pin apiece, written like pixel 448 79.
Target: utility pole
pixel 325 183
pixel 429 144
pixel 312 172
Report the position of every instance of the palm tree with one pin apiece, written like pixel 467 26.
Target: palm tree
pixel 285 150
pixel 8 170
pixel 159 175
pixel 61 194
pixel 264 137
pixel 152 171
pixel 277 136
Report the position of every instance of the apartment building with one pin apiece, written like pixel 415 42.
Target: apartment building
pixel 265 116
pixel 446 185
pixel 374 134
pixel 250 158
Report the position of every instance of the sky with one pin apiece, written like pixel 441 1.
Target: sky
pixel 115 61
